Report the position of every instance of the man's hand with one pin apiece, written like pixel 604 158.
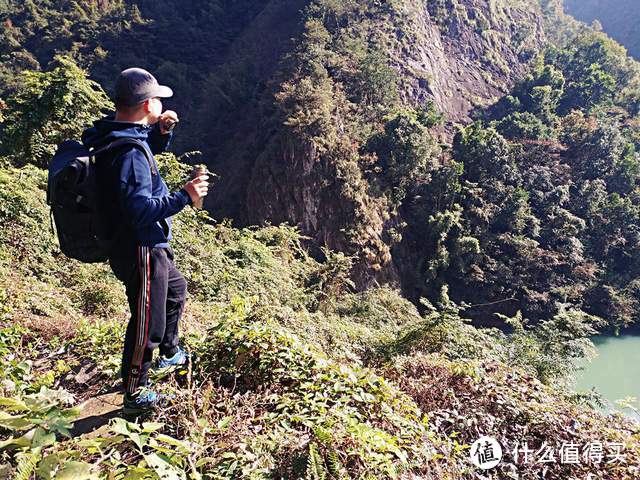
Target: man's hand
pixel 197 188
pixel 166 120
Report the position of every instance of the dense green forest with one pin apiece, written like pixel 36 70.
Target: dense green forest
pixel 543 199
pixel 391 176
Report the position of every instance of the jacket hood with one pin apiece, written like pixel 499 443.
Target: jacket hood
pixel 107 130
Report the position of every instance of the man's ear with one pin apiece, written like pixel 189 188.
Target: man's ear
pixel 147 105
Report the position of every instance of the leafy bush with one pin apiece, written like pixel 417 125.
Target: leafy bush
pixel 48 108
pixel 406 153
pixel 353 421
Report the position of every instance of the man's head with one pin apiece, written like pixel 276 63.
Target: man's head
pixel 138 96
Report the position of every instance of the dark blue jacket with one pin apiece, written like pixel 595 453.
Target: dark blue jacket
pixel 137 203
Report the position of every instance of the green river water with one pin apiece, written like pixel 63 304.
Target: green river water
pixel 615 372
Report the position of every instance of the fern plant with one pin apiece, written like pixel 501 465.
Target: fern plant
pixel 315 465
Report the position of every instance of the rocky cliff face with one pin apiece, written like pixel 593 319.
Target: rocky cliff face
pixel 468 53
pixel 288 129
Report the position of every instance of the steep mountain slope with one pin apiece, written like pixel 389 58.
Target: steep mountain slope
pixel 179 45
pixel 464 54
pixel 342 118
pixel 352 65
pixel 344 139
pixel 619 18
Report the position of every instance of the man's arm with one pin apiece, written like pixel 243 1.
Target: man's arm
pixel 158 141
pixel 135 192
pixel 161 134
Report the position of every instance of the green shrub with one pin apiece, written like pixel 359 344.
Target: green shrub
pixel 49 107
pixel 348 412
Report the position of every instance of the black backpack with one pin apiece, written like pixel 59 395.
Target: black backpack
pixel 72 194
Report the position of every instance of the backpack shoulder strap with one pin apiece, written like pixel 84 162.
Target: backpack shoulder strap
pixel 129 141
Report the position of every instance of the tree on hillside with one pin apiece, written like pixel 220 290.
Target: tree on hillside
pixel 406 152
pixel 48 108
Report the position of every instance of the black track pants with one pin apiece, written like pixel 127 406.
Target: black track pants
pixel 156 292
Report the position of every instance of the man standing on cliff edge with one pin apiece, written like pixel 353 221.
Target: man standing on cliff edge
pixel 138 206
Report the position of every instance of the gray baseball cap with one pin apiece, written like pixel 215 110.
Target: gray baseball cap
pixel 135 85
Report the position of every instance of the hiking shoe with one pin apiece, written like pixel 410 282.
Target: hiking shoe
pixel 143 401
pixel 179 358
